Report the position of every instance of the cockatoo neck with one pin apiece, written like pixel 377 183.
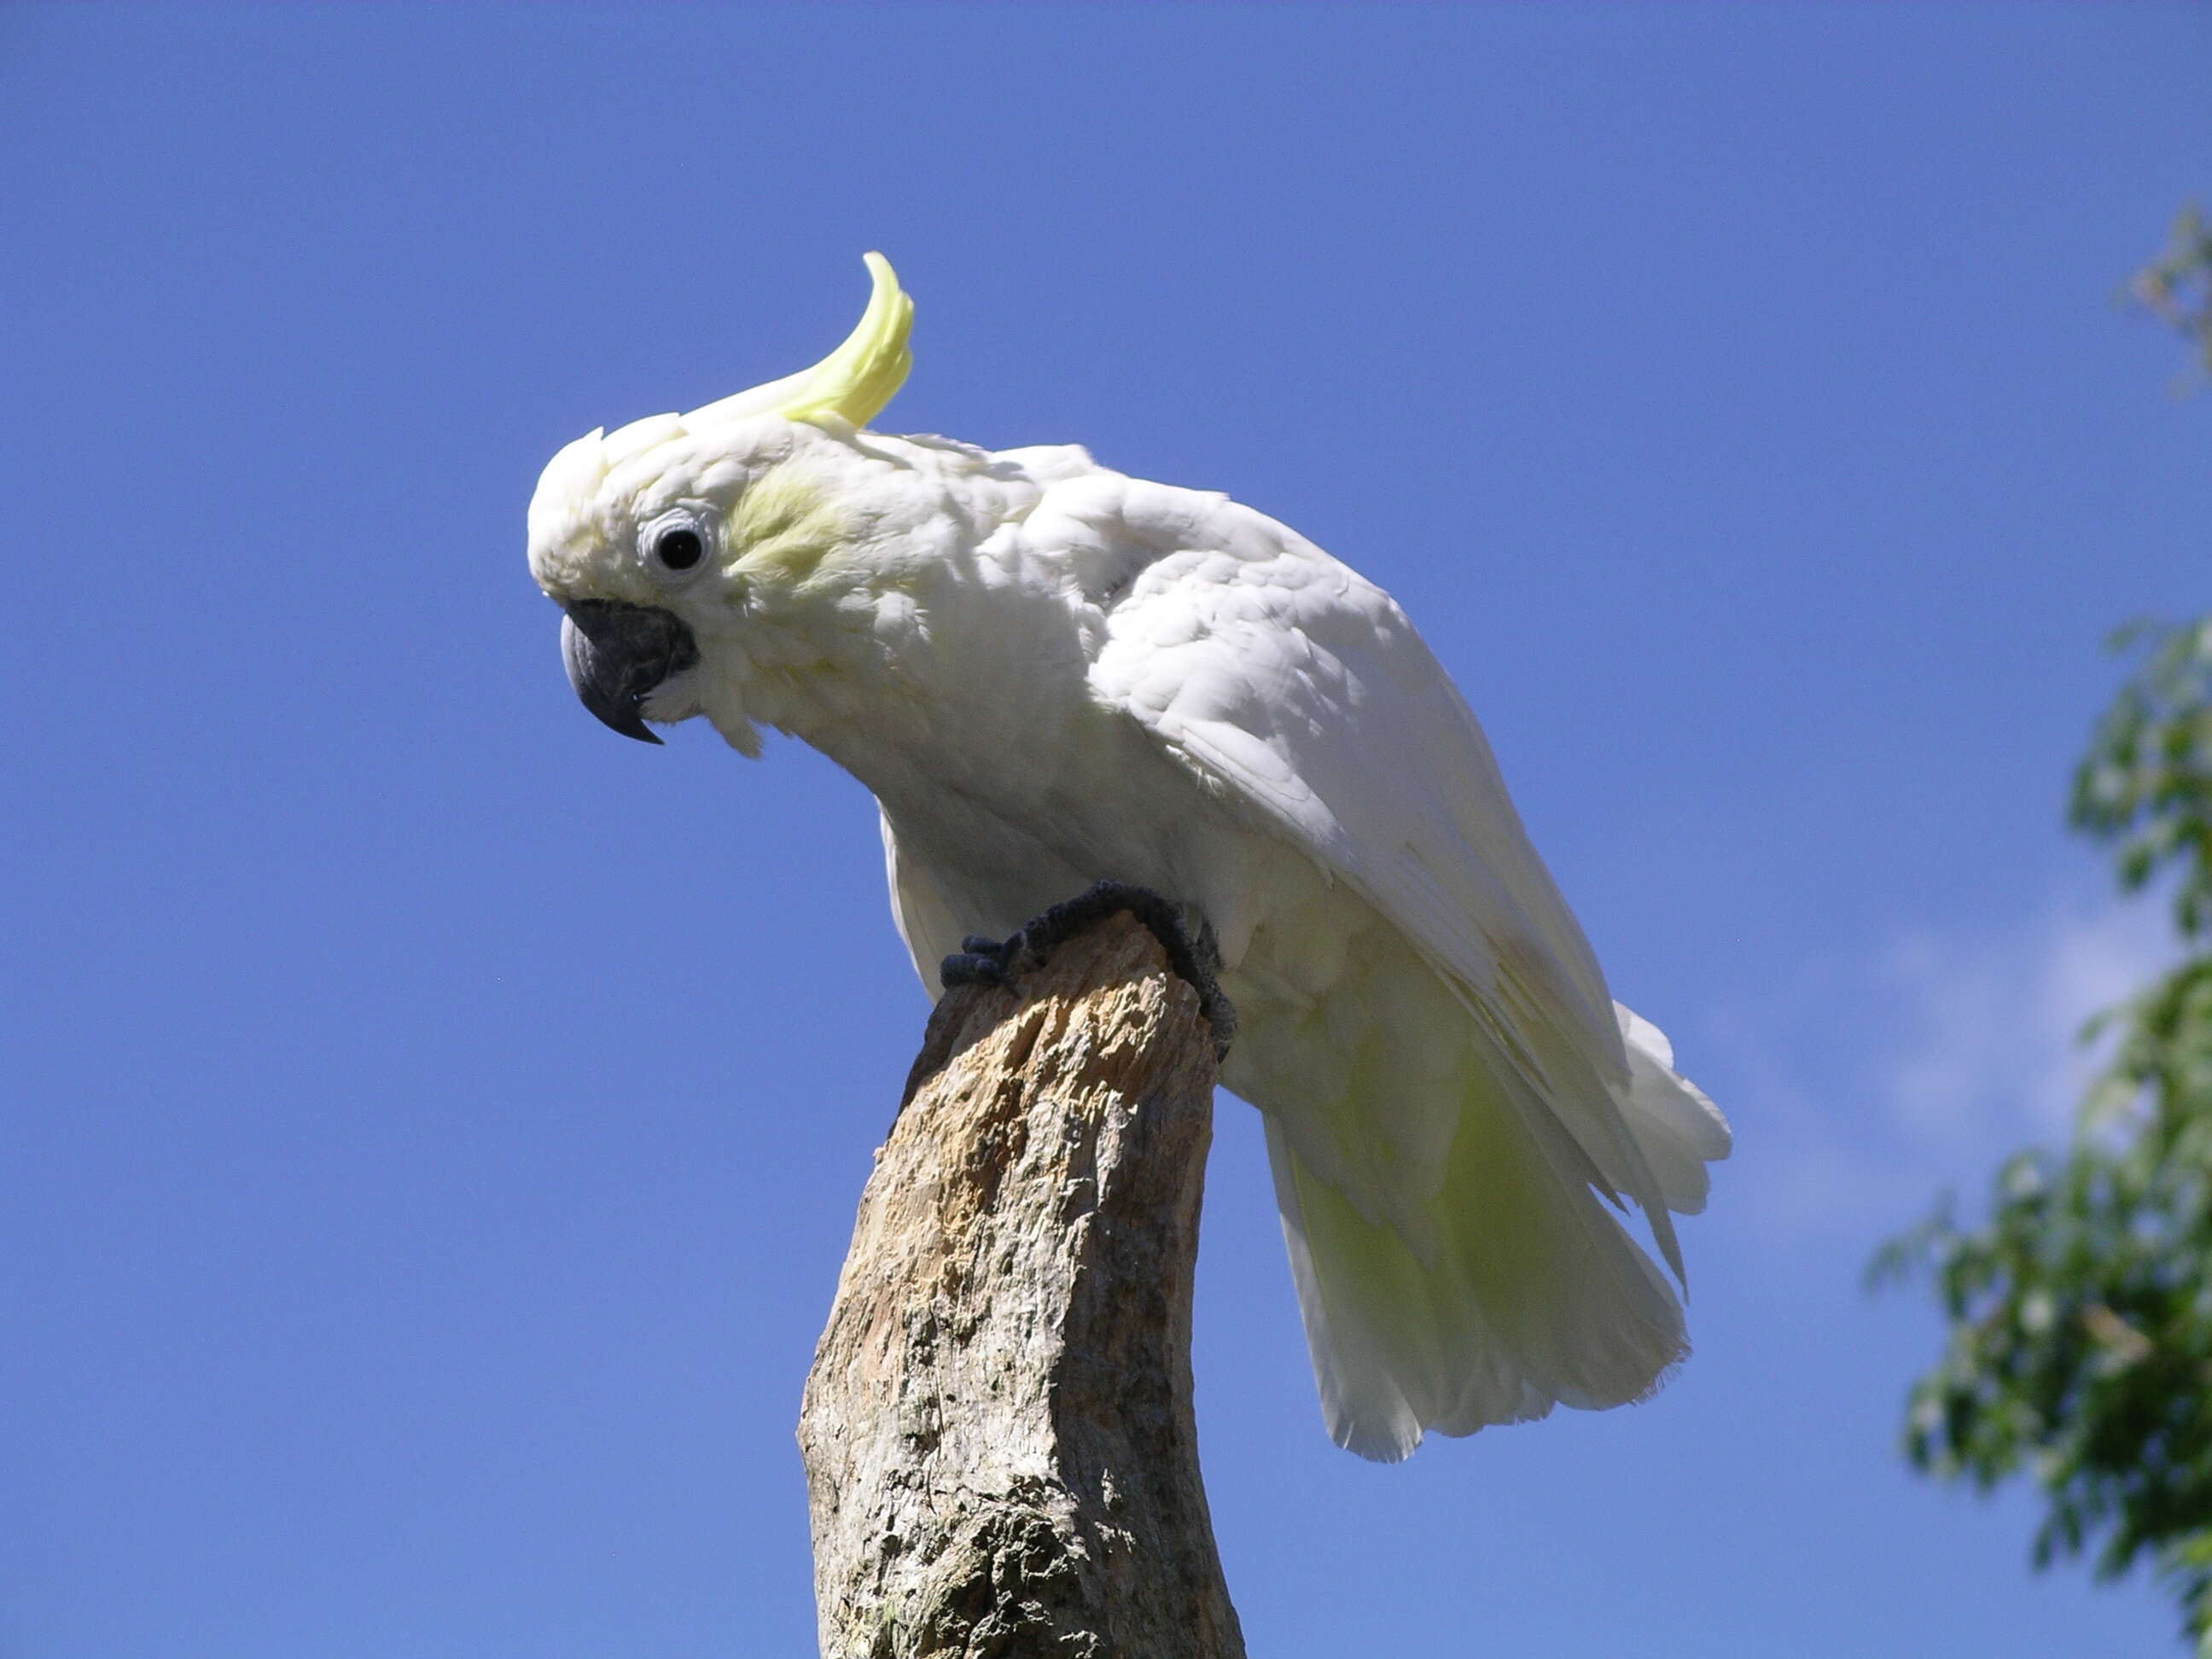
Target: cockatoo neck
pixel 839 556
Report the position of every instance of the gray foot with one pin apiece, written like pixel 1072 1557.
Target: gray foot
pixel 986 961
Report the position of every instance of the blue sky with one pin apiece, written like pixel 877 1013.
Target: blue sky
pixel 443 1120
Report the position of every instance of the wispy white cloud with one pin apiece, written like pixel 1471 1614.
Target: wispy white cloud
pixel 1994 1043
pixel 1862 1087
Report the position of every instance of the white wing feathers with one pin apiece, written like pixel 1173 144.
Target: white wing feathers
pixel 1280 675
pixel 1680 1129
pixel 1275 670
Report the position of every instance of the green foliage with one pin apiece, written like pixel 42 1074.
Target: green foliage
pixel 2146 783
pixel 2080 1314
pixel 2177 286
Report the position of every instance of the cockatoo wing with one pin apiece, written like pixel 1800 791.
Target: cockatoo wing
pixel 1271 669
pixel 1300 691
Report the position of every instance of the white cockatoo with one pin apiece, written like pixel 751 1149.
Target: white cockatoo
pixel 1051 674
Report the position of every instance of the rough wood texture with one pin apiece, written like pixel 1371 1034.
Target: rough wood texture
pixel 999 1451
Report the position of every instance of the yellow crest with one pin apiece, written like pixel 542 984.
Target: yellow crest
pixel 853 383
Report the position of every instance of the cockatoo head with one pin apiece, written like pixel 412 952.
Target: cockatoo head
pixel 663 541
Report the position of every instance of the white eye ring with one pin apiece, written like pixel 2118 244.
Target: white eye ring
pixel 677 545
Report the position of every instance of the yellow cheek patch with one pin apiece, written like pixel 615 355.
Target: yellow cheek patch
pixel 782 527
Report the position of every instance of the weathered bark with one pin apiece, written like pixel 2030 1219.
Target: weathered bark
pixel 999 1449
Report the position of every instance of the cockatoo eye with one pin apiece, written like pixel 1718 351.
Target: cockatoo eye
pixel 677 542
pixel 680 548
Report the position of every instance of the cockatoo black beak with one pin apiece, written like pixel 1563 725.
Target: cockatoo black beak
pixel 616 654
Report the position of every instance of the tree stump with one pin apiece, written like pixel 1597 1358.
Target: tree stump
pixel 999 1450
